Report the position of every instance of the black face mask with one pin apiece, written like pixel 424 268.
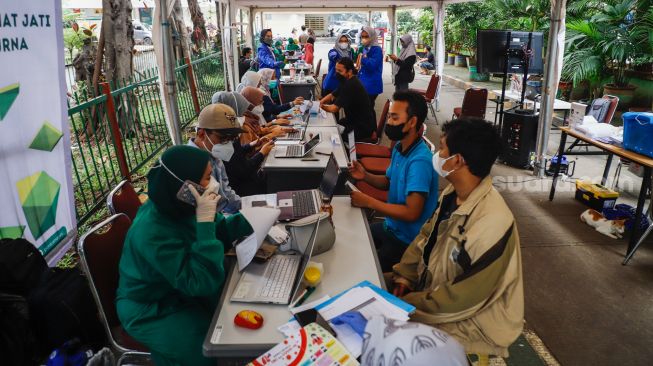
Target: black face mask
pixel 267 41
pixel 341 78
pixel 395 132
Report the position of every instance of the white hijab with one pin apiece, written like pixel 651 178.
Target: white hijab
pixel 265 77
pixel 407 50
pixel 250 78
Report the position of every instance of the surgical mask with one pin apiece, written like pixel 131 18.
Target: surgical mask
pixel 258 109
pixel 272 84
pixel 438 164
pixel 223 151
pixel 395 132
pixel 241 120
pixel 343 45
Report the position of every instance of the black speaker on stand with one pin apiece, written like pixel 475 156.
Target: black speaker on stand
pixel 519 133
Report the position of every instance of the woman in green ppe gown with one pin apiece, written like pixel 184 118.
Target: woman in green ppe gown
pixel 171 269
pixel 278 51
pixel 292 46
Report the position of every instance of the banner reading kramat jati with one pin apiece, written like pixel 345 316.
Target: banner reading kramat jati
pixel 36 199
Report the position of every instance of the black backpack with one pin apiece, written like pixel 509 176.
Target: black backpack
pixel 62 308
pixel 17 342
pixel 21 266
pixel 599 109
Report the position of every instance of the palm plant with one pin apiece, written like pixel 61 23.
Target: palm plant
pixel 603 46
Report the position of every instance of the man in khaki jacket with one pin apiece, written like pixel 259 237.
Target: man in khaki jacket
pixel 463 271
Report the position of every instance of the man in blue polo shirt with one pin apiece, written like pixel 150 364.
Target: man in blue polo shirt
pixel 410 180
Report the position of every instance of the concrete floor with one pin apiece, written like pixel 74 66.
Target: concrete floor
pixel 586 307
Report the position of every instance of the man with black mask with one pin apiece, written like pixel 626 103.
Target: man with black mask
pixel 359 113
pixel 411 183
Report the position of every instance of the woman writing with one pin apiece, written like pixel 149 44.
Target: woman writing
pixel 403 66
pixel 171 269
pixel 271 110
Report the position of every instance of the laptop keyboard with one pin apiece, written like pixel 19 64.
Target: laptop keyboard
pixel 295 150
pixel 303 204
pixel 280 275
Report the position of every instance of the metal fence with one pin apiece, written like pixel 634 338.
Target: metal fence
pixel 117 133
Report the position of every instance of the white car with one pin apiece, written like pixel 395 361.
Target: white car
pixel 142 33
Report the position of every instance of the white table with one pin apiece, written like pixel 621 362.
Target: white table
pixel 351 260
pixel 558 105
pixel 283 174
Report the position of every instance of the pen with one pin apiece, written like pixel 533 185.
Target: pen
pixel 311 159
pixel 309 291
pixel 322 153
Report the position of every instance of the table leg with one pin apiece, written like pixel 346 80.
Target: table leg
pixel 606 171
pixel 561 150
pixel 564 117
pixel 633 243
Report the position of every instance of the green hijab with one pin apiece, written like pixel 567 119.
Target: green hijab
pixel 187 163
pixel 278 44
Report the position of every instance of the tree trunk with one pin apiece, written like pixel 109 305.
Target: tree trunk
pixel 199 26
pixel 181 41
pixel 118 50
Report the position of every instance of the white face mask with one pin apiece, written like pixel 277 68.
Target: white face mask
pixel 223 151
pixel 214 185
pixel 258 109
pixel 438 164
pixel 241 120
pixel 343 45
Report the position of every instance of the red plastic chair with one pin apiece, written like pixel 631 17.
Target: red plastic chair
pixel 373 192
pixel 376 165
pixel 99 252
pixel 431 93
pixel 474 104
pixel 373 147
pixel 124 199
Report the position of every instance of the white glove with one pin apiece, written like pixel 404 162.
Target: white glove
pixel 207 203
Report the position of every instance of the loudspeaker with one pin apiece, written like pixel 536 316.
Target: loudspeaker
pixel 519 134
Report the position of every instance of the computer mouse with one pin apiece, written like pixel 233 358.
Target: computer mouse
pixel 249 319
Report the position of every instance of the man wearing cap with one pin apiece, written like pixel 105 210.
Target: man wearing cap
pixel 218 128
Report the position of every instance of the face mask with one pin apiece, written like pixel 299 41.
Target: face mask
pixel 258 110
pixel 272 84
pixel 340 77
pixel 241 120
pixel 267 41
pixel 395 132
pixel 343 45
pixel 438 164
pixel 223 151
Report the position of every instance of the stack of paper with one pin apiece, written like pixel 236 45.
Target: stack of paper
pixel 261 219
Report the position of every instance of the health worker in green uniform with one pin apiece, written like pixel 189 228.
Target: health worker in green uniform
pixel 171 270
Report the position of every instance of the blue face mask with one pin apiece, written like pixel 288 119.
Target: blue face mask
pixel 272 84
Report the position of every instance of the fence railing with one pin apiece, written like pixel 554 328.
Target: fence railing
pixel 118 132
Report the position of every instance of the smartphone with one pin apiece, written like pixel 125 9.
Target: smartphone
pixel 185 195
pixel 351 186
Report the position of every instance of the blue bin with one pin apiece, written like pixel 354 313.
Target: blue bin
pixel 638 132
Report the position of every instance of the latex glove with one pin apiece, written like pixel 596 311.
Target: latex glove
pixel 354 319
pixel 207 203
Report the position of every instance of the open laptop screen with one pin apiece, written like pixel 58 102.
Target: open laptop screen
pixel 329 178
pixel 312 143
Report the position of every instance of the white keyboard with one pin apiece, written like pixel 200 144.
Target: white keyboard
pixel 280 274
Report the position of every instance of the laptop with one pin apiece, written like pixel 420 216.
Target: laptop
pixel 298 150
pixel 300 132
pixel 276 281
pixel 297 204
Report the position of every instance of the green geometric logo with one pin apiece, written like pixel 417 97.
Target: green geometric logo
pixel 47 137
pixel 11 232
pixel 8 95
pixel 39 194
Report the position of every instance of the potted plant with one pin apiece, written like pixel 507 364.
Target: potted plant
pixel 600 50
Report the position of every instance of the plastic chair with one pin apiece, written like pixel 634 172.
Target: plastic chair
pixel 373 148
pixel 124 199
pixel 99 252
pixel 317 68
pixel 380 125
pixel 474 104
pixel 431 94
pixel 373 192
pixel 376 165
pixel 614 103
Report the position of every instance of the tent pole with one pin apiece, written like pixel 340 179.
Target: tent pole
pixel 555 51
pixel 438 42
pixel 250 26
pixel 392 18
pixel 170 82
pixel 234 41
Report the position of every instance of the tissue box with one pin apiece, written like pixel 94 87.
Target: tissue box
pixel 576 114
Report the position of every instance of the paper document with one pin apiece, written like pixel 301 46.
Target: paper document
pixel 259 200
pixel 261 219
pixel 352 145
pixel 365 301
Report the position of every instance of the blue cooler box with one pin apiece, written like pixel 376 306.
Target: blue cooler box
pixel 638 132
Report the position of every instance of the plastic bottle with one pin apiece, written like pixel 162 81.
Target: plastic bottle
pixel 302 77
pixel 292 71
